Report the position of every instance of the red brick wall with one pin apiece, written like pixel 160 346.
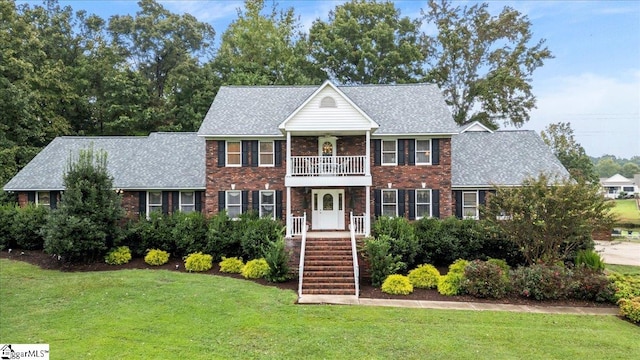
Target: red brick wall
pixel 23 199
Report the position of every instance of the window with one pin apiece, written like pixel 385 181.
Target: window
pixel 187 201
pixel 613 190
pixel 43 198
pixel 423 152
pixel 234 203
pixel 268 204
pixel 327 102
pixel 266 153
pixel 423 203
pixel 390 203
pixel 389 152
pixel 627 189
pixel 234 153
pixel 154 201
pixel 470 205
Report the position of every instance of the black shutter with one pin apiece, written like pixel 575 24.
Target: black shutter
pixel 401 151
pixel 221 153
pixel 254 152
pixel 278 204
pixel 412 151
pixel 377 206
pixel 377 152
pixel 175 201
pixel 221 200
pixel 245 201
pixel 198 200
pixel 165 202
pixel 255 200
pixel 53 199
pixel 458 195
pixel 246 146
pixel 31 196
pixel 142 202
pixel 482 195
pixel 435 209
pixel 412 204
pixel 435 152
pixel 277 150
pixel 401 207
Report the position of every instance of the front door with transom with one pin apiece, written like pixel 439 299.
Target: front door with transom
pixel 328 209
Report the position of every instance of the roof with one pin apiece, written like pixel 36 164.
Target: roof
pixel 158 161
pixel 616 179
pixel 259 110
pixel 483 159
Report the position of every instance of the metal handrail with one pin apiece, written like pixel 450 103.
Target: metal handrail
pixel 356 268
pixel 303 246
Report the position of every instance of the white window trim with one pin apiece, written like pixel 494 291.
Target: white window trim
pixel 226 151
pixel 273 154
pixel 226 202
pixel 38 199
pixel 382 203
pixel 181 203
pixel 395 151
pixel 273 211
pixel 477 205
pixel 430 152
pixel 149 202
pixel 430 203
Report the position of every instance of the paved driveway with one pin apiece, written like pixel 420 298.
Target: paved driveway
pixel 621 253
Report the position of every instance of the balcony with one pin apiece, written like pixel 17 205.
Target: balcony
pixel 328 171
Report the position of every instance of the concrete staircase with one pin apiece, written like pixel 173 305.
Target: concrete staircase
pixel 328 267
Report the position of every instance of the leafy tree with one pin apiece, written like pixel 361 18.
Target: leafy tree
pixel 629 169
pixel 559 137
pixel 368 42
pixel 549 220
pixel 85 225
pixel 607 167
pixel 484 63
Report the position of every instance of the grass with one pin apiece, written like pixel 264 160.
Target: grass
pixel 624 269
pixel 152 314
pixel 627 212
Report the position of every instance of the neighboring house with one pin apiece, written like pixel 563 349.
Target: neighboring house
pixel 613 186
pixel 327 151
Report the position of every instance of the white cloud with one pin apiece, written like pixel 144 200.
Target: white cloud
pixel 205 11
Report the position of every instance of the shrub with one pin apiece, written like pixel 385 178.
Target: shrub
pixel 231 265
pixel 625 286
pixel 541 281
pixel 425 276
pixel 118 256
pixel 590 259
pixel 222 237
pixel 156 257
pixel 451 284
pixel 277 258
pixel 255 269
pixel 589 284
pixel 189 232
pixel 257 233
pixel 381 262
pixel 502 264
pixel 484 279
pixel 401 235
pixel 397 285
pixel 630 308
pixel 7 215
pixel 28 223
pixel 198 262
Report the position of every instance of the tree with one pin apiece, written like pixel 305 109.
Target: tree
pixel 484 63
pixel 559 137
pixel 85 225
pixel 629 170
pixel 607 167
pixel 259 49
pixel 367 42
pixel 549 220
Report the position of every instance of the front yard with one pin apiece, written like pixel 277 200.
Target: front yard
pixel 144 314
pixel 627 212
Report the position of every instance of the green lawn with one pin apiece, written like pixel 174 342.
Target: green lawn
pixel 147 314
pixel 627 211
pixel 624 269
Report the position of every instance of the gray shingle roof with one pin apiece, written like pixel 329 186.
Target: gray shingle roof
pixel 502 158
pixel 258 110
pixel 159 161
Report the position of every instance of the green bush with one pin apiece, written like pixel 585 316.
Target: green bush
pixel 156 257
pixel 589 284
pixel 401 234
pixel 451 283
pixel 630 308
pixel 502 264
pixel 255 269
pixel 425 276
pixel 7 216
pixel 625 286
pixel 222 237
pixel 590 259
pixel 198 262
pixel 397 285
pixel 381 262
pixel 541 281
pixel 277 258
pixel 118 256
pixel 257 233
pixel 231 265
pixel 28 224
pixel 189 232
pixel 484 279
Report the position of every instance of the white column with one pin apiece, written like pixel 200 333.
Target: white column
pixel 288 222
pixel 367 218
pixel 367 163
pixel 288 154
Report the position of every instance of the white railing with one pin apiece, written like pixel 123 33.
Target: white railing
pixel 303 245
pixel 354 251
pixel 297 224
pixel 358 222
pixel 328 165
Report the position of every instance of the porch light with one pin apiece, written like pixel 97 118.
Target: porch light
pixel 389 185
pixel 233 186
pixel 424 185
pixel 266 186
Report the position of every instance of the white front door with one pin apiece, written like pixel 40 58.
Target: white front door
pixel 328 209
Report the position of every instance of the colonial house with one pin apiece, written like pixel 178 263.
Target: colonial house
pixel 614 186
pixel 321 158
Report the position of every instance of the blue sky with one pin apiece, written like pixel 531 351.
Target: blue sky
pixel 593 81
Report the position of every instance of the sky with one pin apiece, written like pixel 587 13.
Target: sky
pixel 593 81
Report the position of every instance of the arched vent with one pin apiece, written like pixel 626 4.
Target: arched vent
pixel 327 102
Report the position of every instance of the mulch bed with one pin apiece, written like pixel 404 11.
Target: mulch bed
pixel 45 261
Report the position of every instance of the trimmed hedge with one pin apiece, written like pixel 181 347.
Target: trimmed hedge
pixel 156 257
pixel 425 276
pixel 118 256
pixel 397 285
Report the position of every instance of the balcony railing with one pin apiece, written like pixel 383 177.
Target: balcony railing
pixel 328 165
